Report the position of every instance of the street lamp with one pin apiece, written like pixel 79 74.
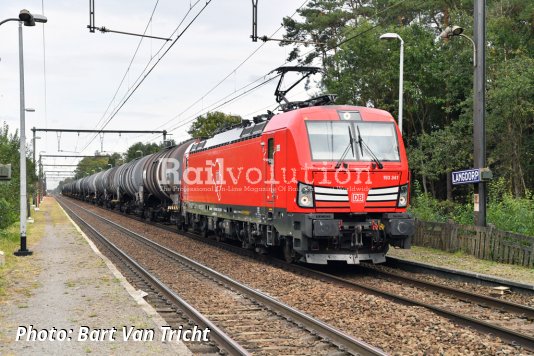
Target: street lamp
pixel 452 31
pixel 29 20
pixel 394 36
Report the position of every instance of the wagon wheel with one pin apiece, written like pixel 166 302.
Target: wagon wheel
pixel 148 214
pixel 204 228
pixel 289 253
pixel 219 236
pixel 181 224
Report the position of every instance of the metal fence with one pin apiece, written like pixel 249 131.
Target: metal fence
pixel 483 242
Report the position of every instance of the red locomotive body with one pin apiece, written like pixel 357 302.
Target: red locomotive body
pixel 325 183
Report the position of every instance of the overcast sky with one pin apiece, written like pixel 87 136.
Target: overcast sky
pixel 83 69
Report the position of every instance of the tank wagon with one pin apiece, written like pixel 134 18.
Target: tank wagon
pixel 318 182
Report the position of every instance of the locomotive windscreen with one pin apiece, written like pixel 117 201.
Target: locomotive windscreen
pixel 329 139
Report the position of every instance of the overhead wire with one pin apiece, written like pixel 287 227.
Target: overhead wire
pixel 159 59
pixel 305 54
pixel 140 79
pixel 44 74
pixel 232 72
pixel 129 64
pixel 226 102
pixel 182 123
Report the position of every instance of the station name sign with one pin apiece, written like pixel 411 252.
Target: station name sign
pixel 471 176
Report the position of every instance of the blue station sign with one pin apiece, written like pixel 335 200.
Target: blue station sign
pixel 468 176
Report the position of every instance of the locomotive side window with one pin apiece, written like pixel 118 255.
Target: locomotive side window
pixel 270 150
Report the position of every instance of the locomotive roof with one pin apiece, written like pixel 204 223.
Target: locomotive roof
pixel 232 135
pixel 329 112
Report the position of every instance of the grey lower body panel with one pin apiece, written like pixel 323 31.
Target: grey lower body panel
pixel 349 258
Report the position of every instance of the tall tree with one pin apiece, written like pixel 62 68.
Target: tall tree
pixel 209 124
pixel 140 149
pixel 511 123
pixel 91 165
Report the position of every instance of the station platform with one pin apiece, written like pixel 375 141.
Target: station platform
pixel 68 285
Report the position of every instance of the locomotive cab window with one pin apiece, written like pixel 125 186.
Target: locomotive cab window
pixel 330 139
pixel 270 150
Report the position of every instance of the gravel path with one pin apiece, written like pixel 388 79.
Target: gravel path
pixel 398 329
pixel 74 288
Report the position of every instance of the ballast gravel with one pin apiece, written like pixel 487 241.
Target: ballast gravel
pixel 397 329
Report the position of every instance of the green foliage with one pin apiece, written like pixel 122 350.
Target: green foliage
pixel 438 82
pixel 91 165
pixel 206 126
pixel 511 123
pixel 505 211
pixel 508 212
pixel 8 212
pixel 140 149
pixel 10 190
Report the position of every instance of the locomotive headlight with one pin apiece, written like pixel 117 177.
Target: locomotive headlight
pixel 305 196
pixel 403 196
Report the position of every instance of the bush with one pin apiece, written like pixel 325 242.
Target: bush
pixel 7 214
pixel 504 210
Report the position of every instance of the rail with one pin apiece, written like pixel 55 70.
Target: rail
pixel 343 340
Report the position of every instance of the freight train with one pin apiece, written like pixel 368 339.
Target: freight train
pixel 317 182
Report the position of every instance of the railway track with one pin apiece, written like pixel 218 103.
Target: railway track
pixel 480 299
pixel 461 276
pixel 166 302
pixel 258 322
pixel 514 337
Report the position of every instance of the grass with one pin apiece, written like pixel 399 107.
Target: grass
pixel 15 267
pixel 70 284
pixel 9 243
pixel 18 274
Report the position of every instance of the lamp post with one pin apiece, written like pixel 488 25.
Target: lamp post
pixel 26 18
pixel 479 102
pixel 395 36
pixel 40 178
pixel 35 200
pixel 452 31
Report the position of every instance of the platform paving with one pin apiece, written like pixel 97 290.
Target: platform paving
pixel 68 286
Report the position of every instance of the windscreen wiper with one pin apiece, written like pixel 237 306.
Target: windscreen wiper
pixel 361 143
pixel 350 145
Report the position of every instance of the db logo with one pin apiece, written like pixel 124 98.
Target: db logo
pixel 358 197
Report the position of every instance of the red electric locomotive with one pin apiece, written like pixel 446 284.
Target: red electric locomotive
pixel 323 182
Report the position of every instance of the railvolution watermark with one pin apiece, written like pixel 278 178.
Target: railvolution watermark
pixel 215 172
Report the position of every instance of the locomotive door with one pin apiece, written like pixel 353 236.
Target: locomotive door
pixel 273 163
pixel 269 171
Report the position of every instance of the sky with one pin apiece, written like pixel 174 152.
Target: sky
pixel 71 75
